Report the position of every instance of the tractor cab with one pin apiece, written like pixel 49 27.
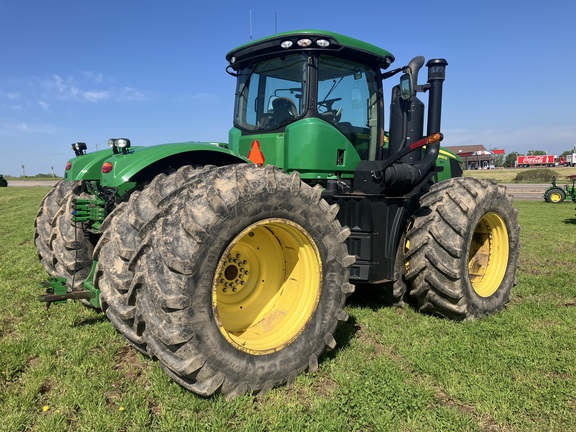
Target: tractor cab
pixel 320 98
pixel 312 101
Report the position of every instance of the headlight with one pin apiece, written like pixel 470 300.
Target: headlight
pixel 119 143
pixel 123 142
pixel 79 148
pixel 304 42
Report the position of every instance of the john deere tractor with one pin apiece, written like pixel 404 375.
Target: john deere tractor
pixel 556 194
pixel 231 262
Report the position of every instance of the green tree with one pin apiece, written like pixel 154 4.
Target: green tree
pixel 536 152
pixel 510 160
pixel 499 161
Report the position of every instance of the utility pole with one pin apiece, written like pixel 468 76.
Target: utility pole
pixel 23 171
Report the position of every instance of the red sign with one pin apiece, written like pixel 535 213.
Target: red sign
pixel 536 160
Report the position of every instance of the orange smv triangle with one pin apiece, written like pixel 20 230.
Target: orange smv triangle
pixel 255 154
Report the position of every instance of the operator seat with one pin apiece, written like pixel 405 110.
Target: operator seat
pixel 284 109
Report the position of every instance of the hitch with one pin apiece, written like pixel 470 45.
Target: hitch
pixel 57 292
pixel 92 211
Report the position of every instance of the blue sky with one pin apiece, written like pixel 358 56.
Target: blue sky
pixel 154 71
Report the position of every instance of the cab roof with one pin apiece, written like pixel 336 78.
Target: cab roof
pixel 287 42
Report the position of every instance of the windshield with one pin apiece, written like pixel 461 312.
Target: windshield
pixel 271 94
pixel 348 97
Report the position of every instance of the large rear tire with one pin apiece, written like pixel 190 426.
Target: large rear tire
pixel 463 249
pixel 63 249
pixel 119 242
pixel 242 280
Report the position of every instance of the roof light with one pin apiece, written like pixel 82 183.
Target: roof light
pixel 286 44
pixel 304 43
pixel 79 148
pixel 323 43
pixel 233 60
pixel 122 142
pixel 119 143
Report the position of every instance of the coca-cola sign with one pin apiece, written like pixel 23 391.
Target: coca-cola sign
pixel 534 160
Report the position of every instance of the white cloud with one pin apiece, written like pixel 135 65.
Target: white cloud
pixel 87 89
pixel 95 95
pixel 44 105
pixel 129 94
pixel 94 77
pixel 12 95
pixel 13 128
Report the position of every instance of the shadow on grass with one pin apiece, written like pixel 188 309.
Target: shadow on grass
pixel 365 297
pixel 96 319
pixel 570 221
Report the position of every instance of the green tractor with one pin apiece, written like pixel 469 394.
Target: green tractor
pixel 556 194
pixel 231 262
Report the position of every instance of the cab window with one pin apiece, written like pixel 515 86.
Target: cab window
pixel 271 94
pixel 348 97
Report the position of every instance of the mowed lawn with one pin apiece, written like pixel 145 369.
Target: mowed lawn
pixel 67 369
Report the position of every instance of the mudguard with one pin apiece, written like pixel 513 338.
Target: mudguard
pixel 143 163
pixel 86 167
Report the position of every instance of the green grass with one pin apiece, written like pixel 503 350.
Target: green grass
pixel 508 175
pixel 394 369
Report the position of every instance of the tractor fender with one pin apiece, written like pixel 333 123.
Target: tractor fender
pixel 144 163
pixel 86 167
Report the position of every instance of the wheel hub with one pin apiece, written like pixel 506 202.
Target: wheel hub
pixel 234 274
pixel 267 286
pixel 488 257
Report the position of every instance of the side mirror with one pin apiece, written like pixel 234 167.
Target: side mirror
pixel 406 90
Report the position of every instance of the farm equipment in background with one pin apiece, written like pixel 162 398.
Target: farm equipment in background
pixel 3 181
pixel 231 262
pixel 556 194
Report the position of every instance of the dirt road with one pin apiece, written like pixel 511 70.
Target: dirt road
pixel 527 192
pixel 521 192
pixel 25 183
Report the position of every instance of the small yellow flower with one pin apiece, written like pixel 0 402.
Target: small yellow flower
pixel 121 408
pixel 45 408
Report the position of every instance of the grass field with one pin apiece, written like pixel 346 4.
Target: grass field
pixel 393 370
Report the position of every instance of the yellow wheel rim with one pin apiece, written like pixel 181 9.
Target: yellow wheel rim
pixel 267 286
pixel 488 257
pixel 555 197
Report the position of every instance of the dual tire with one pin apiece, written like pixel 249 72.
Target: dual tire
pixel 62 246
pixel 463 249
pixel 236 280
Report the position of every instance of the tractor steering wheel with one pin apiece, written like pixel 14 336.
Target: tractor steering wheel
pixel 327 103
